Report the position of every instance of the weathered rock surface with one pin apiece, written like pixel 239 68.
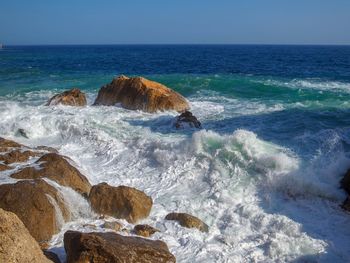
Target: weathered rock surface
pixel 189 221
pixel 37 204
pixel 141 94
pixel 58 169
pixel 111 247
pixel 145 230
pixel 186 119
pixel 17 156
pixel 120 202
pixel 16 244
pixel 6 145
pixel 4 167
pixel 73 97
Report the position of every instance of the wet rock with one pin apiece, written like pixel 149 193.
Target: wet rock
pixel 73 97
pixel 346 204
pixel 52 256
pixel 46 148
pixel 16 244
pixel 120 202
pixel 189 221
pixel 4 167
pixel 145 230
pixel 345 182
pixel 17 156
pixel 140 94
pixel 116 226
pixel 186 119
pixel 37 204
pixel 6 145
pixel 22 133
pixel 111 247
pixel 58 169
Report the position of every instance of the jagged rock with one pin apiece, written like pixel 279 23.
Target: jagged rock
pixel 116 226
pixel 46 148
pixel 145 230
pixel 17 156
pixel 345 182
pixel 73 97
pixel 187 119
pixel 4 167
pixel 52 256
pixel 111 247
pixel 140 94
pixel 58 169
pixel 189 221
pixel 37 204
pixel 120 202
pixel 16 244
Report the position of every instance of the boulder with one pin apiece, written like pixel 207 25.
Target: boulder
pixel 145 230
pixel 189 221
pixel 73 97
pixel 6 145
pixel 17 156
pixel 116 226
pixel 16 244
pixel 120 202
pixel 186 119
pixel 140 94
pixel 111 247
pixel 37 204
pixel 4 167
pixel 58 169
pixel 345 182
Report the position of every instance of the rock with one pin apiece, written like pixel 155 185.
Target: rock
pixel 4 167
pixel 17 156
pixel 22 132
pixel 16 244
pixel 111 247
pixel 46 148
pixel 346 204
pixel 345 182
pixel 37 204
pixel 187 119
pixel 6 145
pixel 120 202
pixel 52 256
pixel 145 230
pixel 189 221
pixel 141 94
pixel 116 226
pixel 58 169
pixel 73 97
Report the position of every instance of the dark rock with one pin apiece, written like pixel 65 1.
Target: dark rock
pixel 187 119
pixel 52 256
pixel 346 204
pixel 345 182
pixel 22 132
pixel 145 230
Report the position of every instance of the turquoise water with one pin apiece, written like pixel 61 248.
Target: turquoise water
pixel 263 173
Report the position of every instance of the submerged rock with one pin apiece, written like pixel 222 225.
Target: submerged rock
pixel 111 247
pixel 145 230
pixel 16 244
pixel 37 204
pixel 22 132
pixel 187 119
pixel 120 202
pixel 141 94
pixel 189 221
pixel 58 169
pixel 73 97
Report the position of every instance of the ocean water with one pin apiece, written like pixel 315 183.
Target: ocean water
pixel 263 172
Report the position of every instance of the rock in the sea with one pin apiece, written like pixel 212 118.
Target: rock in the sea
pixel 73 97
pixel 345 182
pixel 37 204
pixel 52 256
pixel 189 221
pixel 22 133
pixel 346 204
pixel 111 247
pixel 120 202
pixel 4 167
pixel 16 244
pixel 116 226
pixel 141 94
pixel 145 230
pixel 6 145
pixel 187 119
pixel 58 169
pixel 17 156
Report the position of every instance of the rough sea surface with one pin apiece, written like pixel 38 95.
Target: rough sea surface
pixel 263 172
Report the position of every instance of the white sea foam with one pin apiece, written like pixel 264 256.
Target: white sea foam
pixel 258 199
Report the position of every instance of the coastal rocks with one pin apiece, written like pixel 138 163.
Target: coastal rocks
pixel 17 156
pixel 58 169
pixel 145 230
pixel 4 167
pixel 141 94
pixel 6 145
pixel 16 244
pixel 120 202
pixel 189 221
pixel 73 97
pixel 37 204
pixel 116 226
pixel 111 247
pixel 187 119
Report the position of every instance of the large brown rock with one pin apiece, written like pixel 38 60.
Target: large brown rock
pixel 111 247
pixel 141 94
pixel 17 156
pixel 16 244
pixel 4 167
pixel 189 221
pixel 120 202
pixel 58 169
pixel 37 204
pixel 6 145
pixel 73 97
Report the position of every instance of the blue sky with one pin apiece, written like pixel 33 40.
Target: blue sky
pixel 175 22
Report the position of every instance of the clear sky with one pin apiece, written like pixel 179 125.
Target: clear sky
pixel 175 22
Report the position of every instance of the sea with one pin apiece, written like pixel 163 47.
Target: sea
pixel 263 172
